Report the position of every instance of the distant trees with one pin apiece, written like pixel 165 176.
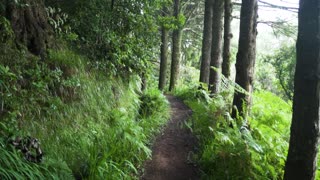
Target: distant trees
pixel 212 42
pixel 184 24
pixel 246 56
pixel 246 50
pixel 304 137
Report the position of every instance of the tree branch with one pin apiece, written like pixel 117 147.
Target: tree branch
pixel 192 31
pixel 269 5
pixel 280 7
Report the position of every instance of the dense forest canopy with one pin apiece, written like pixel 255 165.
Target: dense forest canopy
pixel 84 88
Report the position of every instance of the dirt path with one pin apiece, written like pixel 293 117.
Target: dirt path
pixel 172 150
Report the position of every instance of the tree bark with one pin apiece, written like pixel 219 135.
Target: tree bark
pixel 206 42
pixel 176 49
pixel 227 38
pixel 304 137
pixel 30 24
pixel 164 56
pixel 246 57
pixel 216 46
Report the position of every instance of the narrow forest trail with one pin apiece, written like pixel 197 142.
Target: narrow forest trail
pixel 173 148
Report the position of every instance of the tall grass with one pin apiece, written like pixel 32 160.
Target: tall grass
pixel 14 166
pixel 97 127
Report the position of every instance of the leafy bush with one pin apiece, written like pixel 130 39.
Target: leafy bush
pixel 152 101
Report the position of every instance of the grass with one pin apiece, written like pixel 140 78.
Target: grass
pixel 92 126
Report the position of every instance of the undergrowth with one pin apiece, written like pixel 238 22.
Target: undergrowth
pixel 90 126
pixel 254 151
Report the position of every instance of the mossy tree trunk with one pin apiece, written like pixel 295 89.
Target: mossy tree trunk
pixel 216 46
pixel 176 49
pixel 206 42
pixel 246 57
pixel 227 38
pixel 30 25
pixel 304 138
pixel 164 54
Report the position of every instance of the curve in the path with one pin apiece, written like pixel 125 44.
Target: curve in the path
pixel 173 148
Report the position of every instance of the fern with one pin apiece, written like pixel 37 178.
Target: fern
pixel 242 152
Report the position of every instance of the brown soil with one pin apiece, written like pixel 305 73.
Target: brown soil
pixel 172 150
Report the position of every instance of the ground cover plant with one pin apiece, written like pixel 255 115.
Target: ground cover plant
pixel 229 149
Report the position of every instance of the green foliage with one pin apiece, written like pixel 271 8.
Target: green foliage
pixel 28 93
pixel 171 22
pixel 60 23
pixel 13 166
pixel 31 88
pixel 119 39
pixel 88 124
pixel 270 122
pixel 85 121
pixel 151 102
pixel 271 112
pixel 265 77
pixel 6 30
pixel 188 75
pixel 284 61
pixel 57 20
pixel 257 151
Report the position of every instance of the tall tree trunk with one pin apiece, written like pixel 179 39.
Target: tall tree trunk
pixel 176 49
pixel 227 38
pixel 30 25
pixel 304 139
pixel 246 56
pixel 164 55
pixel 112 4
pixel 216 51
pixel 206 42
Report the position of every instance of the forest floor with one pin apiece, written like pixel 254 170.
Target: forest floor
pixel 172 150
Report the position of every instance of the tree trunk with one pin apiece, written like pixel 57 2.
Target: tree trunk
pixel 304 137
pixel 176 49
pixel 206 42
pixel 30 24
pixel 216 51
pixel 246 57
pixel 227 38
pixel 164 56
